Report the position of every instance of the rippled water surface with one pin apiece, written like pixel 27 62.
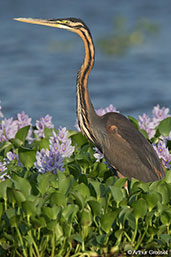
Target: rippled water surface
pixel 38 65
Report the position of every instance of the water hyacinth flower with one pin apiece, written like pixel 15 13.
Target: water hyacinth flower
pixel 52 159
pixel 48 160
pixel 159 114
pixel 23 120
pixel 110 108
pixel 62 142
pixel 149 125
pixel 44 122
pixel 163 153
pixel 146 124
pixel 8 129
pixel 67 149
pixel 47 121
pixel 12 156
pixel 62 134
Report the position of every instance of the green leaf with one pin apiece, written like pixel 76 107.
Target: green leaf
pixel 10 196
pixel 1 209
pixel 144 133
pixel 166 238
pixel 70 212
pixel 99 188
pixel 107 221
pixel 167 177
pixel 29 208
pixel 139 208
pixel 165 218
pixel 29 239
pixel 77 238
pixel 65 183
pixel 48 132
pixel 53 212
pixel 133 121
pixel 5 146
pixel 78 199
pixel 42 143
pixel 3 188
pixel 23 185
pixel 83 190
pixel 101 239
pixel 18 195
pixel 86 218
pixel 95 207
pixel 38 222
pixel 52 224
pixel 27 156
pixel 124 214
pixel 165 127
pixel 164 191
pixel 151 198
pixel 16 142
pixel 120 182
pixel 22 134
pixel 43 182
pixel 78 139
pixel 58 198
pixel 10 212
pixel 116 193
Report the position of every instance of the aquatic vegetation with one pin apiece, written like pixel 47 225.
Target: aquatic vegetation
pixel 58 196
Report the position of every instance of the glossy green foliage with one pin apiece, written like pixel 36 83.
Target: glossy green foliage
pixel 83 211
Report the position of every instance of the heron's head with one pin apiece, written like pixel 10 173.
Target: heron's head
pixel 72 24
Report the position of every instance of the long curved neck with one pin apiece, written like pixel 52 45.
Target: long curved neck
pixel 85 111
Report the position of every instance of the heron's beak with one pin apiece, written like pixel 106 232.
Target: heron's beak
pixel 51 23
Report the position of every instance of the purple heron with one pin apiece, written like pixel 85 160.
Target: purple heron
pixel 123 146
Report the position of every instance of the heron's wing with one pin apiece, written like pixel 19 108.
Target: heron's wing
pixel 128 151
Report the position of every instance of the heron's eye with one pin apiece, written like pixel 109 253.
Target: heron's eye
pixel 63 21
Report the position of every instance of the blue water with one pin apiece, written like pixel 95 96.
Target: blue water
pixel 38 65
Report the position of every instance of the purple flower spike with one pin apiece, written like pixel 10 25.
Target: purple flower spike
pixel 163 153
pixel 67 149
pixel 12 156
pixel 47 121
pixel 54 138
pixel 48 161
pixel 100 111
pixel 62 134
pixel 55 148
pixel 147 125
pixel 8 129
pixel 44 122
pixel 23 120
pixel 39 129
pixel 159 114
pixel 110 108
